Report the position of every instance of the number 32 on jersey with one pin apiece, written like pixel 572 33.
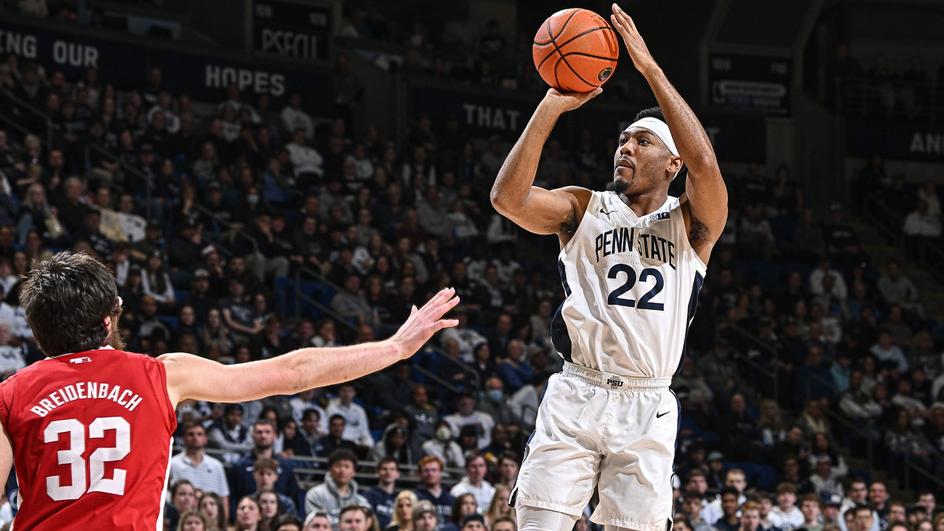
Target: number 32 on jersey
pixel 76 434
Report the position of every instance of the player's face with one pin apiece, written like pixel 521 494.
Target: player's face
pixel 641 162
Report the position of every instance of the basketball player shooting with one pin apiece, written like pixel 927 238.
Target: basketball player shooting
pixel 632 262
pixel 90 427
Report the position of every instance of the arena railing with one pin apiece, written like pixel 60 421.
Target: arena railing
pixel 310 471
pixel 910 467
pixel 928 252
pixel 23 110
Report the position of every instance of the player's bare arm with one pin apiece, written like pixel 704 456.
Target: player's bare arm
pixel 514 195
pixel 707 204
pixel 193 377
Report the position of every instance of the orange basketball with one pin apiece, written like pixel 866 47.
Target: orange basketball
pixel 575 50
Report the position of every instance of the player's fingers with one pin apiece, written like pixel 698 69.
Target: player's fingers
pixel 596 92
pixel 413 311
pixel 444 307
pixel 446 323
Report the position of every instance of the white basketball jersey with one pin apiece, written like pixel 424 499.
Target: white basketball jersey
pixel 631 287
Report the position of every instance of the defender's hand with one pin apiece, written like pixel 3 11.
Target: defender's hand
pixel 424 322
pixel 561 102
pixel 635 45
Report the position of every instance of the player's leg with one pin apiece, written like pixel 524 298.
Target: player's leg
pixel 562 458
pixel 535 519
pixel 636 474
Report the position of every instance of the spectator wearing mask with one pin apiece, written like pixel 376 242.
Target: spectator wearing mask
pixel 443 447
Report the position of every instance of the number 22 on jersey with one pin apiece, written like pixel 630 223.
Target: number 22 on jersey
pixel 75 433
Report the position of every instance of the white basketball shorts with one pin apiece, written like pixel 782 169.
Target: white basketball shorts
pixel 613 433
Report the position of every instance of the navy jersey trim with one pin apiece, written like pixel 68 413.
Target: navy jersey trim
pixel 559 335
pixel 697 284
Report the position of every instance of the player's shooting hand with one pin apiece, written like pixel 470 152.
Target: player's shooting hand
pixel 424 322
pixel 562 102
pixel 635 45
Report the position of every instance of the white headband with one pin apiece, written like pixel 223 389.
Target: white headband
pixel 658 128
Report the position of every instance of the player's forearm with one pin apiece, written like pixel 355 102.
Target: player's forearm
pixel 308 368
pixel 693 143
pixel 520 167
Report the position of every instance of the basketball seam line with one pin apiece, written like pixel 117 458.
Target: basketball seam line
pixel 564 25
pixel 562 58
pixel 568 41
pixel 583 54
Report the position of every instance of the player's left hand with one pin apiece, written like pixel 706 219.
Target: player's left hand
pixel 635 45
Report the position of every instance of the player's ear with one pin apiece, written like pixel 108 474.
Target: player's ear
pixel 675 164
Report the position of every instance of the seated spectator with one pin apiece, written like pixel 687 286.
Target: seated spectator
pixel 202 471
pixel 356 426
pixel 823 478
pixel 897 288
pixel 402 519
pixel 786 515
pixel 309 435
pixel 729 520
pixel 443 447
pixel 425 517
pixel 474 482
pixel 230 434
pixel 431 489
pixel 339 489
pixel 182 500
pixel 514 370
pixel 335 439
pixel 466 415
pixel 248 514
pixel 356 518
pixel 423 415
pixel 265 474
pixel 383 496
pixel 263 440
pixel 394 443
pixel 889 355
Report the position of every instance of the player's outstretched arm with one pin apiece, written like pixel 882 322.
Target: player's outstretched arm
pixel 193 377
pixel 707 194
pixel 514 195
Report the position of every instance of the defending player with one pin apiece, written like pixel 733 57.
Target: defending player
pixel 90 428
pixel 632 262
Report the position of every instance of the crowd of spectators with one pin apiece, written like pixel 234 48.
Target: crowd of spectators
pixel 215 217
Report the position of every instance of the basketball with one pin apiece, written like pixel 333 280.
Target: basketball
pixel 575 50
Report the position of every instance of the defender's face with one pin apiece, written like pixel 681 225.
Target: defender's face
pixel 641 160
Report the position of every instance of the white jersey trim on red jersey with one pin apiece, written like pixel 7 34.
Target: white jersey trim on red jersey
pixel 159 525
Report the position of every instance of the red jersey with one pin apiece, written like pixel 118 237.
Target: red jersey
pixel 91 435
